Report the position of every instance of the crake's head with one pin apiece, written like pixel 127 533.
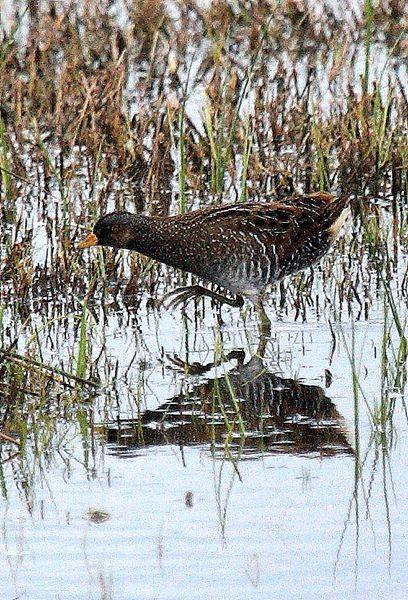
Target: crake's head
pixel 115 229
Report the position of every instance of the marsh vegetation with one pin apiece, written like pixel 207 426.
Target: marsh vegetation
pixel 168 453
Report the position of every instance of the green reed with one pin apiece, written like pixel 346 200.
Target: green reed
pixel 217 138
pixel 82 352
pixel 369 12
pixel 400 352
pixel 5 176
pixel 246 155
pixel 2 312
pixel 322 150
pixel 182 166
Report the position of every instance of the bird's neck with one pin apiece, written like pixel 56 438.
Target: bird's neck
pixel 157 238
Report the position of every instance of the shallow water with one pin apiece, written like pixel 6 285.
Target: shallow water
pixel 304 509
pixel 202 465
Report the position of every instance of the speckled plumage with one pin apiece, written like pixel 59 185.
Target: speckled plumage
pixel 240 247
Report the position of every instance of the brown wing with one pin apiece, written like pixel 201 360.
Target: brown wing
pixel 277 217
pixel 296 232
pixel 297 215
pixel 279 222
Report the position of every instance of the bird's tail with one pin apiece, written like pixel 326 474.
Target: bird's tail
pixel 336 214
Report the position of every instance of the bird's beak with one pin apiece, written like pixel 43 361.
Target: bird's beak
pixel 90 240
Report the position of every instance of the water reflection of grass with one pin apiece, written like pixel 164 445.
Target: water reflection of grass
pixel 376 457
pixel 375 460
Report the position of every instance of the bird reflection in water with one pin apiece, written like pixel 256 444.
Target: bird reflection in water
pixel 256 410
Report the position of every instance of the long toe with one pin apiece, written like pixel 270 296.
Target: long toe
pixel 181 298
pixel 171 296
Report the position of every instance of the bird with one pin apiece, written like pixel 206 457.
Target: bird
pixel 243 247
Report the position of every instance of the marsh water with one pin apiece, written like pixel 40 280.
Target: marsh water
pixel 182 454
pixel 155 498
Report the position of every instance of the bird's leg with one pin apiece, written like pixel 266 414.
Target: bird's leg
pixel 262 343
pixel 265 327
pixel 185 294
pixel 265 324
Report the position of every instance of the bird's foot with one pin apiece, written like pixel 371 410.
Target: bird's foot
pixel 185 294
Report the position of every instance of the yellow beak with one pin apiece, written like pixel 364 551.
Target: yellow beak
pixel 90 240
